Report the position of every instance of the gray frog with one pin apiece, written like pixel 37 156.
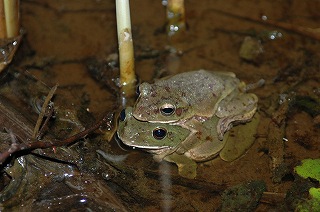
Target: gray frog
pixel 196 95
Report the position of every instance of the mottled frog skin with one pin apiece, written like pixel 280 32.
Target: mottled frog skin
pixel 196 95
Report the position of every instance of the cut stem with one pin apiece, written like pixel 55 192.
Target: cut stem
pixel 3 31
pixel 11 11
pixel 126 56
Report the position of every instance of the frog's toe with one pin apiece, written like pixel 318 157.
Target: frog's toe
pixel 223 126
pixel 187 170
pixel 220 134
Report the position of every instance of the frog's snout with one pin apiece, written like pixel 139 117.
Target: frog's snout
pixel 141 113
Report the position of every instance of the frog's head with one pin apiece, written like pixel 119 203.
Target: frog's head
pixel 160 104
pixel 151 137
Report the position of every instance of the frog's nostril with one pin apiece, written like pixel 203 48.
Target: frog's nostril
pixel 122 116
pixel 159 133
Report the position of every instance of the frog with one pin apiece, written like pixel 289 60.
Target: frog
pixel 200 95
pixel 184 146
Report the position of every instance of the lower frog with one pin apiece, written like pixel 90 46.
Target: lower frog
pixel 183 146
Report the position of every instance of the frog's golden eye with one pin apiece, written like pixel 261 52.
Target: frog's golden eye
pixel 159 133
pixel 167 109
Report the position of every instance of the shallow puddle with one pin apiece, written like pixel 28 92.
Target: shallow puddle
pixel 70 43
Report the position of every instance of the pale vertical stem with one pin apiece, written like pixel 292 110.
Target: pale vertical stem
pixel 126 56
pixel 11 10
pixel 3 31
pixel 176 16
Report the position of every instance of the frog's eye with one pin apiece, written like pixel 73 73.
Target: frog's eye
pixel 159 133
pixel 122 116
pixel 167 109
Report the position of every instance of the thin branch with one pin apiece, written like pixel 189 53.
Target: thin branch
pixel 45 123
pixel 16 147
pixel 305 31
pixel 43 110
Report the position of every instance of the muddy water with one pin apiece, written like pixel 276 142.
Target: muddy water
pixel 62 35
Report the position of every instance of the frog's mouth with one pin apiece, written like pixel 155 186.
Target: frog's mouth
pixel 159 151
pixel 152 147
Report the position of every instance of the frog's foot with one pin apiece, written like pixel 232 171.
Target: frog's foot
pixel 235 105
pixel 158 158
pixel 242 139
pixel 187 168
pixel 225 124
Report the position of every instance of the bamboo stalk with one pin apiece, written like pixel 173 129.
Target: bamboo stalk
pixel 3 31
pixel 126 55
pixel 11 11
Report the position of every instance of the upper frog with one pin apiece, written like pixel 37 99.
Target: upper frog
pixel 197 94
pixel 183 96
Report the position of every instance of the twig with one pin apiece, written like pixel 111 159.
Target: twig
pixel 312 33
pixel 305 31
pixel 272 198
pixel 16 147
pixel 45 123
pixel 276 134
pixel 43 110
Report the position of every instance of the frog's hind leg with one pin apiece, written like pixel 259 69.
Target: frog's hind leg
pixel 207 150
pixel 239 109
pixel 187 167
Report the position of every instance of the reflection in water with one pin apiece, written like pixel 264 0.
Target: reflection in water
pixel 166 186
pixel 112 158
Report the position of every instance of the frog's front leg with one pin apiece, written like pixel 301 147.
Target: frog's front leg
pixel 235 108
pixel 187 167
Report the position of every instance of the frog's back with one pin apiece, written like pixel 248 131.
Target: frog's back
pixel 201 89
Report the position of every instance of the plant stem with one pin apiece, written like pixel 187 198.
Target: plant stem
pixel 11 11
pixel 3 31
pixel 126 56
